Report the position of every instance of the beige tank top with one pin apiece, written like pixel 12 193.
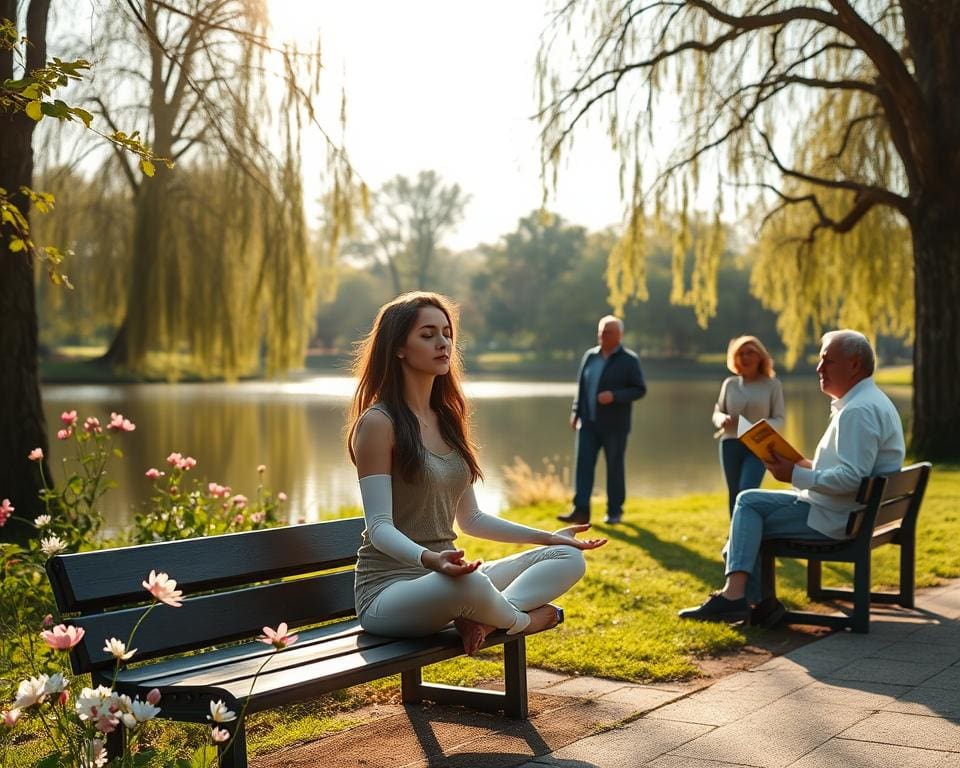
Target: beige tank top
pixel 423 511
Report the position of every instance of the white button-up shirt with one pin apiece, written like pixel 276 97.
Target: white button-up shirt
pixel 864 438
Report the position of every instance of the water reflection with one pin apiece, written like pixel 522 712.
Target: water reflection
pixel 295 428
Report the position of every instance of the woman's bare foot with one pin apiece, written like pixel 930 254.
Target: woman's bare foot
pixel 472 633
pixel 544 617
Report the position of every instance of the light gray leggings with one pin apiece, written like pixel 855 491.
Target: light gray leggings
pixel 498 593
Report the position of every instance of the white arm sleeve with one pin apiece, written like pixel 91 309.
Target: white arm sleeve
pixel 477 523
pixel 377 494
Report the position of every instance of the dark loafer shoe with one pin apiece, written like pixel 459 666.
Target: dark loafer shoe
pixel 718 608
pixel 578 516
pixel 613 519
pixel 767 613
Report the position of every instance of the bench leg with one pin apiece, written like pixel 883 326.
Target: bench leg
pixel 860 621
pixel 768 575
pixel 115 743
pixel 907 569
pixel 411 686
pixel 233 754
pixel 814 579
pixel 515 679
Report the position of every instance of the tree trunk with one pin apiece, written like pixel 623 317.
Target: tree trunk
pixel 936 350
pixel 21 410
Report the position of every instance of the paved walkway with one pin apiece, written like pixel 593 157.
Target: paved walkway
pixel 889 698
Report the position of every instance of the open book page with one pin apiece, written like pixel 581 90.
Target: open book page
pixel 761 438
pixel 743 425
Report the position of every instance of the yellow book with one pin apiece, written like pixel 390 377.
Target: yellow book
pixel 760 438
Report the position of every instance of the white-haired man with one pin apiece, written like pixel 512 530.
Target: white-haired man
pixel 864 438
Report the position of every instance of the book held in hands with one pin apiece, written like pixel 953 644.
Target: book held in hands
pixel 761 438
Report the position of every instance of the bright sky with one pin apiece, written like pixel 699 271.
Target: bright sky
pixel 448 86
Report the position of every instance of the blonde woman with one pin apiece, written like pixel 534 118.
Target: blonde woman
pixel 755 393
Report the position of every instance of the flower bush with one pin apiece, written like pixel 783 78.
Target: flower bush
pixel 72 728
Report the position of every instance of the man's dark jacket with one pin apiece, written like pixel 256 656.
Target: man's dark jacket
pixel 622 376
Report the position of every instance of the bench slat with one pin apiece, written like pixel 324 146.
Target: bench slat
pixel 112 577
pixel 906 481
pixel 217 618
pixel 893 511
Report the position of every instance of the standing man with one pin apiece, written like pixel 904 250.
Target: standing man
pixel 864 438
pixel 610 380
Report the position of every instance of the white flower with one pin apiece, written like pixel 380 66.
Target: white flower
pixel 219 735
pixel 94 754
pixel 144 710
pixel 118 649
pixel 52 545
pixel 30 692
pixel 56 683
pixel 94 703
pixel 41 521
pixel 219 712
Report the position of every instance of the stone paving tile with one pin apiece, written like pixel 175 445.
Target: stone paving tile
pixel 538 679
pixel 814 664
pixel 949 678
pixel 862 754
pixel 775 736
pixel 849 694
pixel 935 733
pixel 626 747
pixel 890 671
pixel 585 687
pixel 640 698
pixel 675 761
pixel 719 705
pixel 757 678
pixel 927 700
pixel 938 633
pixel 917 651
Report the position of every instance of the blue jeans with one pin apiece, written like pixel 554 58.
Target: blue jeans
pixel 760 515
pixel 741 469
pixel 614 445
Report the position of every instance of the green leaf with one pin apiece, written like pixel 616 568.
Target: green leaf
pixel 85 116
pixel 34 110
pixel 50 761
pixel 118 453
pixel 147 167
pixel 143 757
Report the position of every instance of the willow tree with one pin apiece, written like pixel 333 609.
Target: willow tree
pixel 220 263
pixel 836 120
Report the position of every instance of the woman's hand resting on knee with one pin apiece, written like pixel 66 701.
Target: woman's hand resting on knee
pixel 568 536
pixel 450 562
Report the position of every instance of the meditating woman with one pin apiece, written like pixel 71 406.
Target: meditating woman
pixel 409 439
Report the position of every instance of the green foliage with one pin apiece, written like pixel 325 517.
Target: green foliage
pixel 204 509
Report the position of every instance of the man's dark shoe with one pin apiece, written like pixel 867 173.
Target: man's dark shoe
pixel 575 515
pixel 613 519
pixel 767 613
pixel 718 608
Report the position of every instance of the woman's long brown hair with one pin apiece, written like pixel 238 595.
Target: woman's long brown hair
pixel 380 380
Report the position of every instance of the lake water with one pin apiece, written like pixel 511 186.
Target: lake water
pixel 295 428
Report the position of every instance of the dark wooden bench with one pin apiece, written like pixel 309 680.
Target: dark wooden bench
pixel 234 585
pixel 889 516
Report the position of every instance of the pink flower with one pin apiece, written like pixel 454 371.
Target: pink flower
pixel 48 620
pixel 257 517
pixel 187 463
pixel 278 639
pixel 62 637
pixel 120 424
pixel 10 716
pixel 6 509
pixel 239 501
pixel 64 434
pixel 238 519
pixel 69 418
pixel 218 491
pixel 154 696
pixel 36 454
pixel 219 735
pixel 281 497
pixel 261 469
pixel 163 588
pixel 92 424
pixel 174 458
pixel 154 474
pixel 63 697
